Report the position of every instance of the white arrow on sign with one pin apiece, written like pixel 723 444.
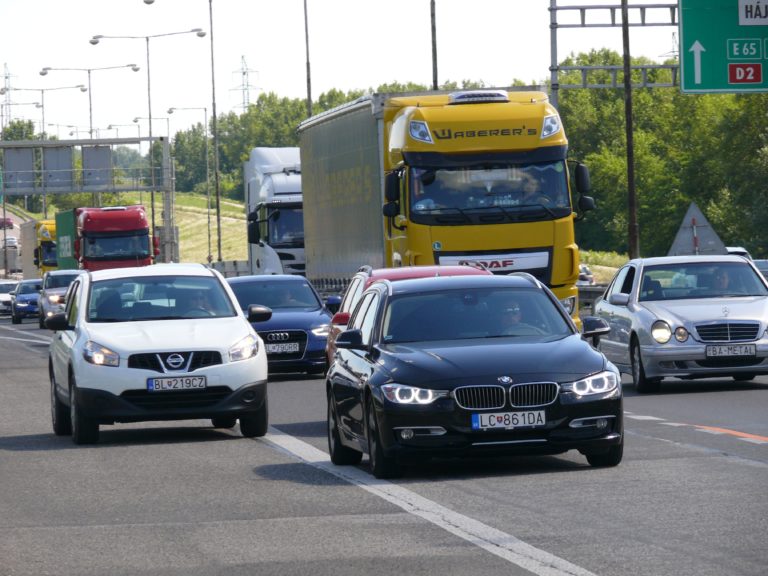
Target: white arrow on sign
pixel 697 49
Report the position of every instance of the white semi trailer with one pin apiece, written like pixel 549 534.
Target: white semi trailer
pixel 272 180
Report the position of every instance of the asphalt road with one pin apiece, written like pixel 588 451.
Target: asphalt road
pixel 177 498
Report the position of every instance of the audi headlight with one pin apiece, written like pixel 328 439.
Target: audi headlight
pixel 95 353
pixel 402 394
pixel 661 332
pixel 599 383
pixel 246 348
pixel 322 330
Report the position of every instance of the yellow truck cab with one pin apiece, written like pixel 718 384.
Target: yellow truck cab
pixel 478 176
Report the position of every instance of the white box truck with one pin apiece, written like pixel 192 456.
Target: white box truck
pixel 272 180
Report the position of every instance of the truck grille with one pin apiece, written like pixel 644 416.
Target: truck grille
pixel 728 331
pixel 533 394
pixel 158 361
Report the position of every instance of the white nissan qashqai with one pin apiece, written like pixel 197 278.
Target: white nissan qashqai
pixel 160 342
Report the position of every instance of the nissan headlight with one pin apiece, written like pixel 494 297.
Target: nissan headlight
pixel 95 353
pixel 661 332
pixel 599 383
pixel 402 394
pixel 246 348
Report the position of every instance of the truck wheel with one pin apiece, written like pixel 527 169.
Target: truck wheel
pixel 84 430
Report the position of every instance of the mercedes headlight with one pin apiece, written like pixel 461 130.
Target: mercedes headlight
pixel 661 332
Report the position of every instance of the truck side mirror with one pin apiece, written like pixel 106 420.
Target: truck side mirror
pixel 583 184
pixel 392 187
pixel 390 209
pixel 586 203
pixel 254 237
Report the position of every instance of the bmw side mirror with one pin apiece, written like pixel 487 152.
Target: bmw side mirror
pixel 594 327
pixel 350 339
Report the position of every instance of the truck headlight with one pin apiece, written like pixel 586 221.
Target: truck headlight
pixel 550 126
pixel 569 304
pixel 420 131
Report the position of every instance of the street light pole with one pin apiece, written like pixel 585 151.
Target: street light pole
pixel 207 173
pixel 215 130
pixel 95 40
pixel 44 72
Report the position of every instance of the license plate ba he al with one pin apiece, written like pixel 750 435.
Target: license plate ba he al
pixel 176 383
pixel 508 420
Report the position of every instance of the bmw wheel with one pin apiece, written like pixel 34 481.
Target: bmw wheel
pixel 610 458
pixel 224 422
pixel 340 455
pixel 382 466
pixel 643 385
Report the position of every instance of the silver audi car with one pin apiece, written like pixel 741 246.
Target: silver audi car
pixel 686 317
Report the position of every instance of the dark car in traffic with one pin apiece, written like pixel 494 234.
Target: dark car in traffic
pixel 296 335
pixel 469 365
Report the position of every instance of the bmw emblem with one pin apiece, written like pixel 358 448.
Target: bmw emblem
pixel 504 380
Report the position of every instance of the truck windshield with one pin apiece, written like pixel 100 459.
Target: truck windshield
pixel 512 192
pixel 120 247
pixel 287 230
pixel 48 254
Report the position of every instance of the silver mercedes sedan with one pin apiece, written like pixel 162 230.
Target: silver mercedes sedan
pixel 686 317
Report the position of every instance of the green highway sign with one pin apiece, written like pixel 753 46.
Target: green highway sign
pixel 723 45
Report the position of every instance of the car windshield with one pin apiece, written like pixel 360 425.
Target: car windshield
pixel 59 280
pixel 473 313
pixel 276 295
pixel 158 298
pixel 700 280
pixel 6 287
pixel 30 288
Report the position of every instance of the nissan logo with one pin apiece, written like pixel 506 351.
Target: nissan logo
pixel 278 336
pixel 175 361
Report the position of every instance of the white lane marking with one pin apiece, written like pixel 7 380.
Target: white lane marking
pixel 754 440
pixel 490 539
pixel 675 424
pixel 716 432
pixel 640 417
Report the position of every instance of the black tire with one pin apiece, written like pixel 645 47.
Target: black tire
pixel 744 377
pixel 60 416
pixel 84 430
pixel 643 385
pixel 15 319
pixel 255 424
pixel 224 422
pixel 318 370
pixel 340 455
pixel 41 322
pixel 608 459
pixel 382 466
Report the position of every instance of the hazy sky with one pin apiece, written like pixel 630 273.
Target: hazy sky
pixel 259 46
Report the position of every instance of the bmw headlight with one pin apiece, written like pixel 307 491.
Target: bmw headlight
pixel 322 330
pixel 599 383
pixel 402 394
pixel 661 332
pixel 246 348
pixel 95 353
